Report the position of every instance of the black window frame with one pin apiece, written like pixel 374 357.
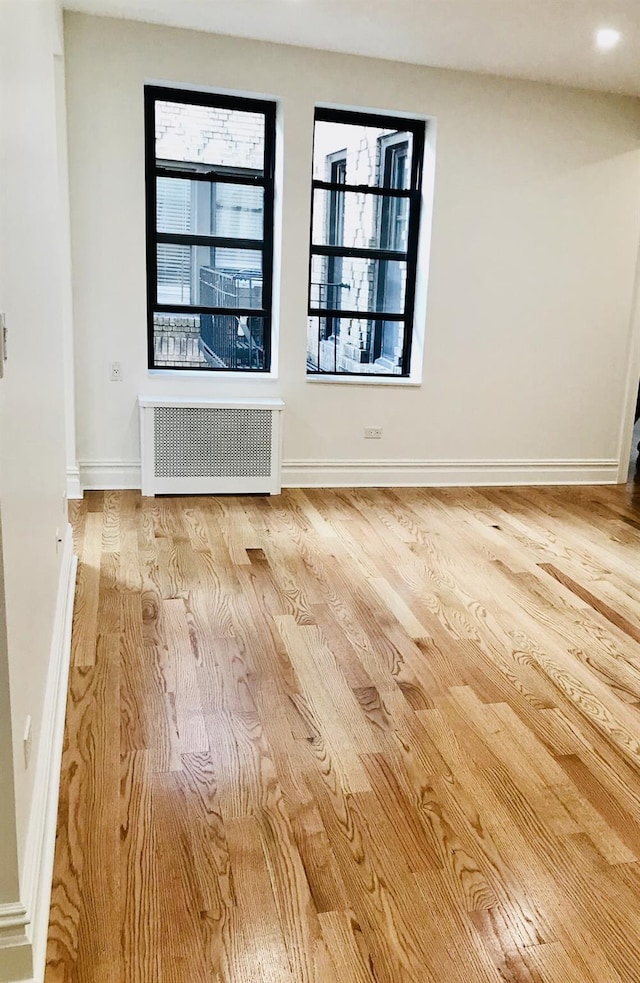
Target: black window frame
pixel 214 175
pixel 413 194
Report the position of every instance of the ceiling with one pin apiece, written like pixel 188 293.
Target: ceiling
pixel 548 40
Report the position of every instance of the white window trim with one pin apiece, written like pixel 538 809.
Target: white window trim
pixel 416 368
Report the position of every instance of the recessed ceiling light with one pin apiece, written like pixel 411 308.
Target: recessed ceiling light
pixel 608 38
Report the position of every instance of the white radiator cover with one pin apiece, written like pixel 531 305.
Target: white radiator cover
pixel 202 446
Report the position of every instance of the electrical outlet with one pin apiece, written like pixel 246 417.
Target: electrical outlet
pixel 58 540
pixel 372 433
pixel 26 742
pixel 115 371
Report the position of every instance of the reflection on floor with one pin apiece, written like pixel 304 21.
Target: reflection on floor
pixel 634 462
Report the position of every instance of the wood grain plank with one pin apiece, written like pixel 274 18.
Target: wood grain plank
pixel 140 921
pixel 85 612
pixel 258 946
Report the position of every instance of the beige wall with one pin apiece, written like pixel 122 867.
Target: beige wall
pixel 32 456
pixel 535 240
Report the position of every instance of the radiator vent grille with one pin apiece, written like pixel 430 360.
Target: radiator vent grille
pixel 209 442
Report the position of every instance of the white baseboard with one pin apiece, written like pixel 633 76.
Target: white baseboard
pixel 23 954
pixel 390 474
pixel 103 475
pixel 16 956
pixel 74 488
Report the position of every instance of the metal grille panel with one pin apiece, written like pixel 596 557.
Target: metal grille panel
pixel 205 442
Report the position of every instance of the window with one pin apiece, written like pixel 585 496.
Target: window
pixel 210 167
pixel 365 212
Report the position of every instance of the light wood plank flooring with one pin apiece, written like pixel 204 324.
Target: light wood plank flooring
pixel 353 736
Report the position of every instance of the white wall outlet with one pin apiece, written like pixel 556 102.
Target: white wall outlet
pixel 58 540
pixel 373 433
pixel 115 371
pixel 26 742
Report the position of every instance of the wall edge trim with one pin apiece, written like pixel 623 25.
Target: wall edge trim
pixel 110 474
pixel 328 474
pixel 37 876
pixel 74 488
pixel 115 474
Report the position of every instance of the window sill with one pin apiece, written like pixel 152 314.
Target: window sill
pixel 361 380
pixel 196 375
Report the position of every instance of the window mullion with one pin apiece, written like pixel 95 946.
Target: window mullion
pixel 203 309
pixel 355 252
pixel 215 242
pixel 365 189
pixel 212 176
pixel 356 315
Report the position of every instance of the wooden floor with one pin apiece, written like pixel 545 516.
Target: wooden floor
pixel 349 736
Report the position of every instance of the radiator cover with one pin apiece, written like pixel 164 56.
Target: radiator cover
pixel 206 446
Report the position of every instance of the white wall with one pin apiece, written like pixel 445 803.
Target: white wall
pixel 9 882
pixel 535 239
pixel 32 425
